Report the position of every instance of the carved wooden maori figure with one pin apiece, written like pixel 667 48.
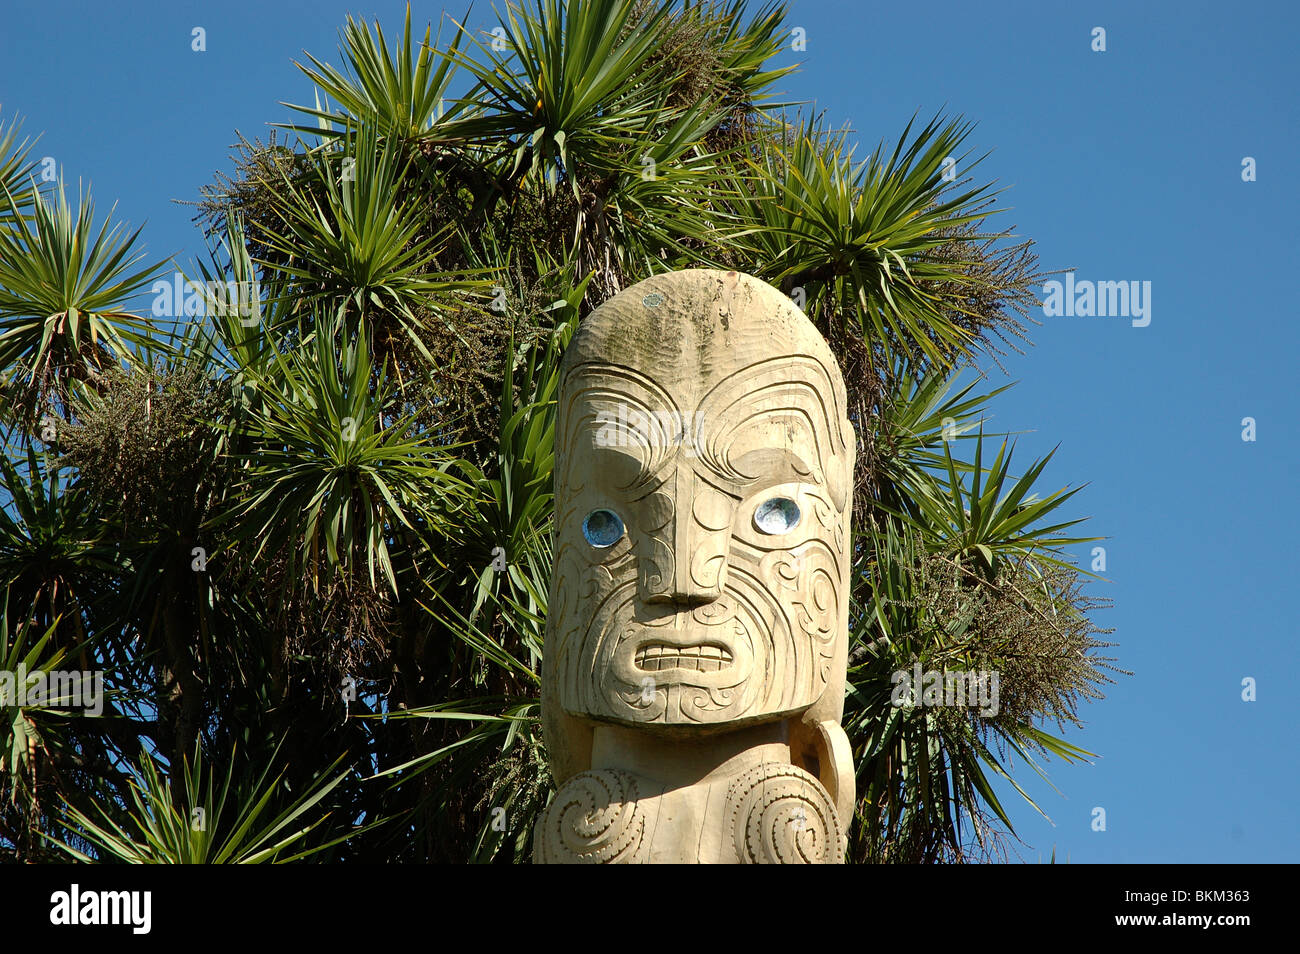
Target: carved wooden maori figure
pixel 693 680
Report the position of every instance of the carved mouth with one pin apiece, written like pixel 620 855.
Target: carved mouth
pixel 656 657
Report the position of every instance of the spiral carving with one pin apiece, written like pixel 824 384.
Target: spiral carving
pixel 594 819
pixel 781 815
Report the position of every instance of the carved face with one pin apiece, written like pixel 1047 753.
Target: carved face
pixel 702 529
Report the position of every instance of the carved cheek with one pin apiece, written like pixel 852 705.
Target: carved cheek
pixel 654 545
pixel 713 512
pixel 817 611
pixel 824 562
pixel 803 583
pixel 781 572
pixel 570 587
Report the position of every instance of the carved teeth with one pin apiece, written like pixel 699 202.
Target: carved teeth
pixel 706 658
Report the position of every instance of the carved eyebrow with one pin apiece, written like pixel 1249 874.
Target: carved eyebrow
pixel 738 476
pixel 795 387
pixel 631 403
pixel 617 459
pixel 779 461
pixel 617 382
pixel 800 458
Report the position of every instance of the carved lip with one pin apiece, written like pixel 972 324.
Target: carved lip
pixel 704 657
pixel 710 657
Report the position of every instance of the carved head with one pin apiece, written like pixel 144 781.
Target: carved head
pixel 703 481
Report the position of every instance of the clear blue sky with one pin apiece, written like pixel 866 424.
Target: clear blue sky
pixel 1124 164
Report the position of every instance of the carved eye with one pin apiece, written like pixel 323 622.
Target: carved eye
pixel 602 528
pixel 777 515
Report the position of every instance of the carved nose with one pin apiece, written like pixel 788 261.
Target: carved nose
pixel 692 544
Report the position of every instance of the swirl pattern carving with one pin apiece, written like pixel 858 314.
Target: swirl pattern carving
pixel 781 815
pixel 594 819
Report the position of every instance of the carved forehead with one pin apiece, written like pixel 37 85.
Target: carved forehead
pixel 718 360
pixel 693 333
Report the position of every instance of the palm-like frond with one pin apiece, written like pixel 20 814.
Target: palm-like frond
pixel 858 237
pixel 399 92
pixel 510 509
pixel 354 248
pixel 246 313
pixel 328 474
pixel 16 167
pixel 52 548
pixel 997 518
pixel 918 417
pixel 924 772
pixel 63 289
pixel 207 819
pixel 567 86
pixel 26 729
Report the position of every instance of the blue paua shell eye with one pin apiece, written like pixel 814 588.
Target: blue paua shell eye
pixel 777 515
pixel 602 528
